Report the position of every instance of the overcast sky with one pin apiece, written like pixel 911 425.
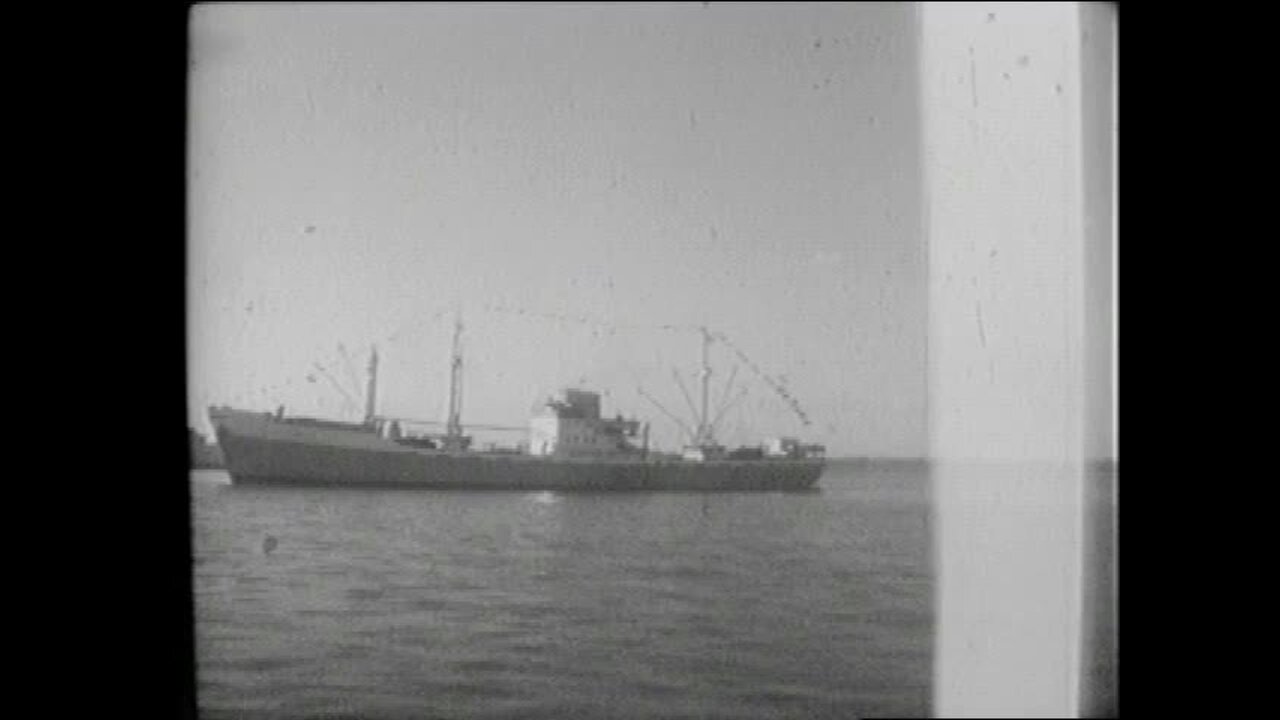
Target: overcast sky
pixel 358 172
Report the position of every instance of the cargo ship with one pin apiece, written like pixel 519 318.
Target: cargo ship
pixel 571 446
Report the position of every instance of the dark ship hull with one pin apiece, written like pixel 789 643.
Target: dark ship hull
pixel 262 450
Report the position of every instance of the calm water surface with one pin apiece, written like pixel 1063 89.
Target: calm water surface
pixel 411 604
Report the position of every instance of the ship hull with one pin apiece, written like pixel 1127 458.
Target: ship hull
pixel 260 450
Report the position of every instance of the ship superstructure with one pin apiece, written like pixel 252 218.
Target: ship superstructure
pixel 571 426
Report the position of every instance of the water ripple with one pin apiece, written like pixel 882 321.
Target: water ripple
pixel 417 605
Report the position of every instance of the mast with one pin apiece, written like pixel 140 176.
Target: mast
pixel 371 389
pixel 453 426
pixel 704 428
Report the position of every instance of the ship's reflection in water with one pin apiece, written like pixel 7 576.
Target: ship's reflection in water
pixel 403 604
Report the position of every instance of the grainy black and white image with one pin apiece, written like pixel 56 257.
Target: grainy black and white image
pixel 626 360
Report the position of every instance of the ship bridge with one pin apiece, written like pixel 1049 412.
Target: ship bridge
pixel 570 425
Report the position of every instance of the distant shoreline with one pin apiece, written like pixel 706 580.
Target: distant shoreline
pixel 1106 464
